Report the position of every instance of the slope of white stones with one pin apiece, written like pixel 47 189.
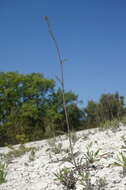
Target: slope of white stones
pixel 38 174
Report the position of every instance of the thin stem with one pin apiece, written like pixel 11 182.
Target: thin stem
pixel 62 85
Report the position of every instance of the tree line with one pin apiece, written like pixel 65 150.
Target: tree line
pixel 31 108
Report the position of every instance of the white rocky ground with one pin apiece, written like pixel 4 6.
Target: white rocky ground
pixel 38 174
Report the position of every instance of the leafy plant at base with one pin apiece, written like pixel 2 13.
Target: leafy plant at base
pixel 90 155
pixel 80 165
pixel 66 178
pixel 85 180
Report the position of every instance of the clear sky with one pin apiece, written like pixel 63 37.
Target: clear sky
pixel 91 34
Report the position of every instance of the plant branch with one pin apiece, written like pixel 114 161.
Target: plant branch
pixel 62 85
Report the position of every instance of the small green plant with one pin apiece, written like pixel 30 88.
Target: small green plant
pixel 101 182
pixel 17 152
pixel 121 161
pixel 81 165
pixel 124 140
pixel 66 177
pixel 3 172
pixel 90 155
pixel 32 155
pixel 55 147
pixel 85 180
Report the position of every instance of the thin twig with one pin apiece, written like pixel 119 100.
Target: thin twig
pixel 62 85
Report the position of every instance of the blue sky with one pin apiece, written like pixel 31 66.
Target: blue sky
pixel 91 34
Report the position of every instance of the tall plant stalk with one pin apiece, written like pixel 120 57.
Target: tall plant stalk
pixel 61 61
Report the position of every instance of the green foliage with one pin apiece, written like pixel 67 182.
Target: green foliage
pixel 66 177
pixel 85 180
pixel 32 155
pixel 21 105
pixel 54 146
pixel 75 116
pixel 109 108
pixel 55 112
pixel 3 172
pixel 31 108
pixel 110 124
pixel 21 138
pixel 91 114
pixel 90 155
pixel 121 161
pixel 70 176
pixel 123 120
pixel 112 105
pixel 17 152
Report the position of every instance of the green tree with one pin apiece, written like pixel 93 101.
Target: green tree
pixel 31 108
pixel 112 105
pixel 22 100
pixel 91 114
pixel 109 107
pixel 55 111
